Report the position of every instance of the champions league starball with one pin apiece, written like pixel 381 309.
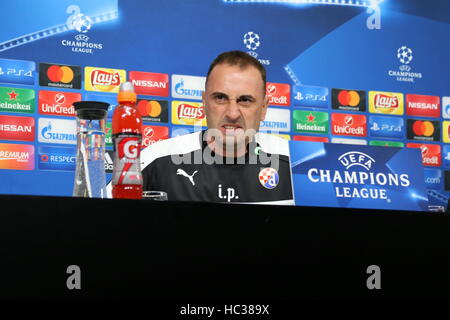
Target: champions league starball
pixel 251 40
pixel 404 54
pixel 82 23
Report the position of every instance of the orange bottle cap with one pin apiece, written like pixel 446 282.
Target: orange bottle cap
pixel 126 92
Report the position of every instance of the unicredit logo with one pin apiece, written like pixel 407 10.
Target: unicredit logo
pixel 278 93
pixel 431 153
pixel 60 98
pixel 186 111
pixel 348 125
pixel 148 132
pixel 57 109
pixel 57 103
pixel 153 134
pixel 348 130
pixel 348 120
pixel 103 78
pixel 385 101
pixel 427 157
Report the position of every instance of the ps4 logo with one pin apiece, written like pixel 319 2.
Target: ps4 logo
pixel 386 127
pixel 310 97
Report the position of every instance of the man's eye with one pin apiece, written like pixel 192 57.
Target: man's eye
pixel 245 100
pixel 220 98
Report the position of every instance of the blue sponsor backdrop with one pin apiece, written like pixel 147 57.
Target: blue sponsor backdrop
pixel 339 175
pixel 313 48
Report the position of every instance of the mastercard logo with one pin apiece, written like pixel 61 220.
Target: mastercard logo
pixel 349 98
pixel 62 74
pixel 423 128
pixel 149 108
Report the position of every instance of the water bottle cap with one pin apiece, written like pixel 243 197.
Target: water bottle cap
pixel 91 110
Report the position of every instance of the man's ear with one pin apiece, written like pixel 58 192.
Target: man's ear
pixel 264 108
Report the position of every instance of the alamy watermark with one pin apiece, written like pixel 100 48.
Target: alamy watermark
pixel 243 144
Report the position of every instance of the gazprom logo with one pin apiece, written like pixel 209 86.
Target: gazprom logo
pixel 46 131
pixel 190 87
pixel 181 90
pixel 57 131
pixel 356 158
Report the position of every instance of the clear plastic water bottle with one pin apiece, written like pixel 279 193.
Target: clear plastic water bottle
pixel 90 179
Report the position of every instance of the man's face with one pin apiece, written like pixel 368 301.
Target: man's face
pixel 235 103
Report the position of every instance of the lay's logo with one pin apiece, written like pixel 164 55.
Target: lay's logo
pixel 188 113
pixel 103 80
pixel 386 102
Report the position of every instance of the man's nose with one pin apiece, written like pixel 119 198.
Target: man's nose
pixel 233 111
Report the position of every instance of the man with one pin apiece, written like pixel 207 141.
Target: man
pixel 230 161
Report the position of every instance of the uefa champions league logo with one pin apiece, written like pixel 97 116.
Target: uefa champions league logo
pixel 405 72
pixel 404 54
pixel 356 158
pixel 252 40
pixel 82 23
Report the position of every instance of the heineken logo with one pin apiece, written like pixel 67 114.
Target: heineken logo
pixel 310 121
pixel 17 100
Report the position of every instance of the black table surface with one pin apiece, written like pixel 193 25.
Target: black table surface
pixel 186 250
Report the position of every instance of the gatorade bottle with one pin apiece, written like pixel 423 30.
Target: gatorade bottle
pixel 127 137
